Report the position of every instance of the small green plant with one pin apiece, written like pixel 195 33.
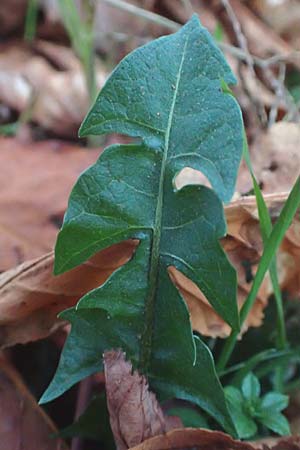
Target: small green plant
pixel 172 97
pixel 248 408
pixel 81 34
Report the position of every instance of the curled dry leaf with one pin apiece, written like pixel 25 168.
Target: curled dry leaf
pixel 35 180
pixel 135 414
pixel 193 438
pixel 200 439
pixel 31 297
pixel 50 77
pixel 276 157
pixel 23 424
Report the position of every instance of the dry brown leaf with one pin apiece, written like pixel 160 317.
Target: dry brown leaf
pixel 35 181
pixel 275 156
pixel 194 438
pixel 23 424
pixel 116 31
pixel 181 12
pixel 59 95
pixel 262 40
pixel 283 16
pixel 12 15
pixel 200 439
pixel 291 443
pixel 135 414
pixel 31 297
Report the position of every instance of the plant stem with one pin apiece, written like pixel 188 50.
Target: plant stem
pixel 266 229
pixel 143 14
pixel 146 341
pixel 270 248
pixel 30 21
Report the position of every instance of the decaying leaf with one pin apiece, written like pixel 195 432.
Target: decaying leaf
pixel 12 14
pixel 275 157
pixel 35 180
pixel 59 95
pixel 135 414
pixel 31 297
pixel 200 439
pixel 23 424
pixel 283 16
pixel 263 41
pixel 194 438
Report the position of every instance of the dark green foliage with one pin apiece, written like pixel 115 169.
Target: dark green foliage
pixel 169 94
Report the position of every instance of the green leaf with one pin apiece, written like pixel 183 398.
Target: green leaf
pixel 245 425
pixel 263 362
pixel 276 422
pixel 251 387
pixel 92 424
pixel 274 401
pixel 190 417
pixel 266 229
pixel 285 218
pixel 181 365
pixel 168 93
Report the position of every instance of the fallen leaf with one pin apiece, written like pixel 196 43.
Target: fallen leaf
pixel 59 98
pixel 201 439
pixel 194 438
pixel 31 297
pixel 275 157
pixel 263 41
pixel 23 424
pixel 291 443
pixel 135 414
pixel 35 181
pixel 283 16
pixel 12 15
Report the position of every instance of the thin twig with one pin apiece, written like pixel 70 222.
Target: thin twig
pixel 143 13
pixel 274 60
pixel 241 39
pixel 242 42
pixel 241 54
pixel 174 26
pixel 279 95
pixel 83 398
pixel 188 6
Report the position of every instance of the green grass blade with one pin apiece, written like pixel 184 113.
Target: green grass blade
pixel 271 246
pixel 31 20
pixel 266 229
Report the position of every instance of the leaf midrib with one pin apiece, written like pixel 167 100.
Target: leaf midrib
pixel 146 339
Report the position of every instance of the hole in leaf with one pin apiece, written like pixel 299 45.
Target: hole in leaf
pixel 188 176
